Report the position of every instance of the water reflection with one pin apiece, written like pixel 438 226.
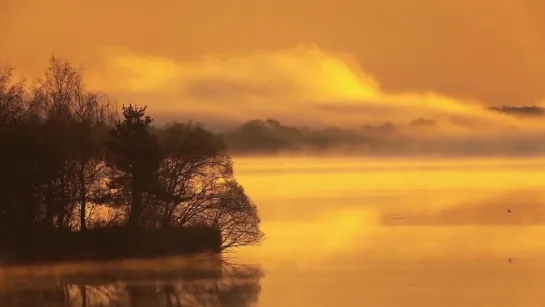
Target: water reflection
pixel 334 240
pixel 333 237
pixel 183 282
pixel 514 208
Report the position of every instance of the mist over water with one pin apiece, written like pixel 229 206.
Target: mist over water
pixel 351 232
pixel 428 189
pixel 399 232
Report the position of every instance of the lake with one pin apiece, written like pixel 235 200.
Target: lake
pixel 343 232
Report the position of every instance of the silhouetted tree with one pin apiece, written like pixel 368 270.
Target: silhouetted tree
pixel 198 187
pixel 76 121
pixel 519 110
pixel 194 164
pixel 272 137
pixel 67 165
pixel 235 215
pixel 12 104
pixel 134 158
pixel 423 123
pixel 16 180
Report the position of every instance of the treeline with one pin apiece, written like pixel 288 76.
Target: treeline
pixel 419 137
pixel 70 164
pixel 520 111
pixel 272 137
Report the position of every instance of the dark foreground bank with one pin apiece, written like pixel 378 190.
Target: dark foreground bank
pixel 73 166
pixel 111 244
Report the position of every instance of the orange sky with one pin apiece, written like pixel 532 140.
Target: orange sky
pixel 487 51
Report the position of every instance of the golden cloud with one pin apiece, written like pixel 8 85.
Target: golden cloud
pixel 303 85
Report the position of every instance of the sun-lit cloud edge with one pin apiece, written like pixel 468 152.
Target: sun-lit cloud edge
pixel 307 86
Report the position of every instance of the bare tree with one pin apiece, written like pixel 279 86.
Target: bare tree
pixel 194 160
pixel 235 215
pixel 77 121
pixel 72 165
pixel 133 158
pixel 12 102
pixel 13 179
pixel 197 187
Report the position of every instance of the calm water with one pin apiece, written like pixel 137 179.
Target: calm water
pixel 343 233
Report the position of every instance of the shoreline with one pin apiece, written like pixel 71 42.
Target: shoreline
pixel 110 244
pixel 176 262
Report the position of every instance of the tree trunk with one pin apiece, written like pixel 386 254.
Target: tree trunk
pixel 166 217
pixel 49 208
pixel 83 198
pixel 136 206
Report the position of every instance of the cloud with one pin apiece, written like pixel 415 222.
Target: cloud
pixel 125 72
pixel 275 84
pixel 302 86
pixel 219 88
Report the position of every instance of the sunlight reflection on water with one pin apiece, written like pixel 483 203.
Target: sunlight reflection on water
pixel 353 233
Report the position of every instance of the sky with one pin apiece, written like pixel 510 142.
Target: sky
pixel 334 61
